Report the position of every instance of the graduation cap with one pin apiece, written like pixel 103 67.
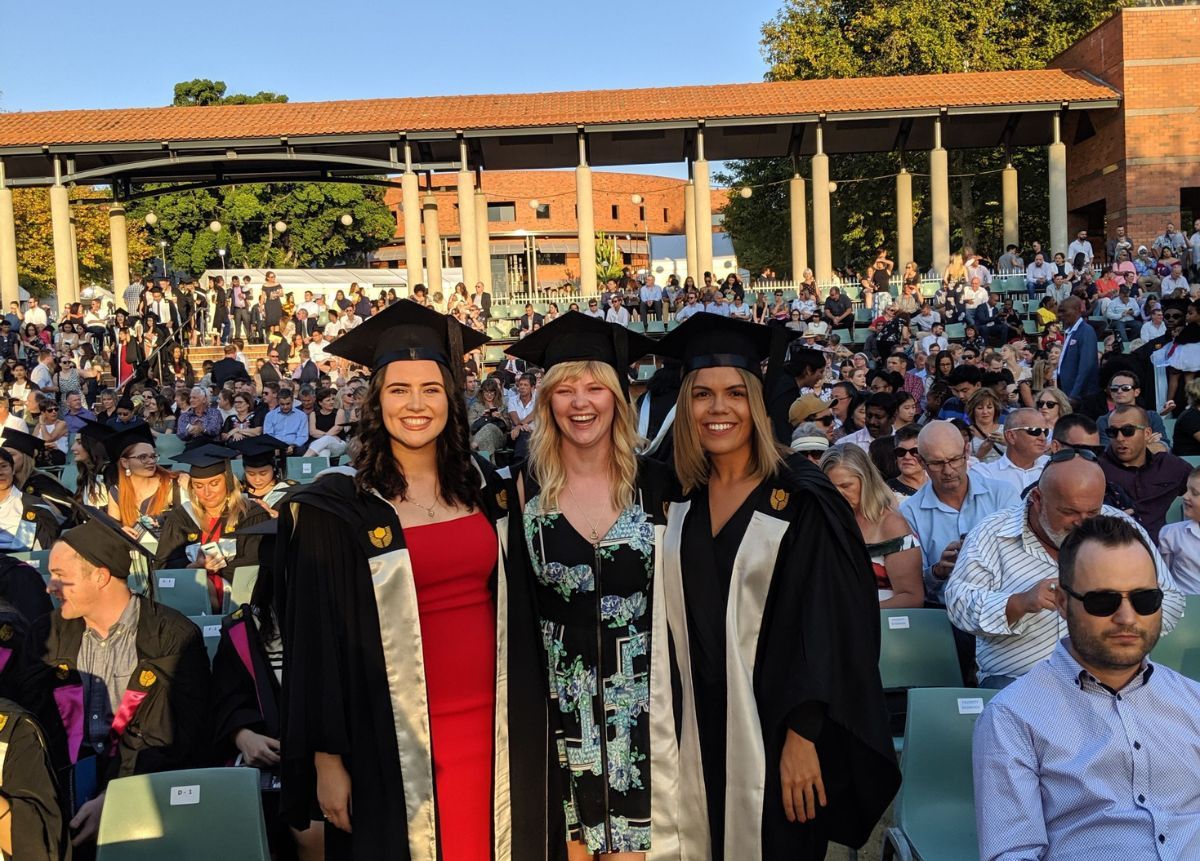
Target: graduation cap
pixel 95 431
pixel 258 450
pixel 207 460
pixel 120 442
pixel 26 443
pixel 712 341
pixel 267 526
pixel 101 541
pixel 406 331
pixel 576 337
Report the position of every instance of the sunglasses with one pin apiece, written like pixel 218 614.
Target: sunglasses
pixel 1126 431
pixel 1035 432
pixel 1070 453
pixel 823 420
pixel 1123 387
pixel 1106 603
pixel 902 452
pixel 1047 405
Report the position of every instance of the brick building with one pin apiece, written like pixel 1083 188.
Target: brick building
pixel 1138 165
pixel 532 221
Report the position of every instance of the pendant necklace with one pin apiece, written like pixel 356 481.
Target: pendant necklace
pixel 593 536
pixel 428 509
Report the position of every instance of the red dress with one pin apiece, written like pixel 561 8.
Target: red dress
pixel 452 563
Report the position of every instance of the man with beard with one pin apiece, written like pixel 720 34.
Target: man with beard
pixel 1098 708
pixel 1004 583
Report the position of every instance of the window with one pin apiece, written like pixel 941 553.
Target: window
pixel 502 211
pixel 616 212
pixel 641 213
pixel 666 214
pixel 551 259
pixel 718 218
pixel 543 211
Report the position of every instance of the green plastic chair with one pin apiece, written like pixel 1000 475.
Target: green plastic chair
pixel 636 326
pixel 36 558
pixel 210 627
pixel 956 331
pixel 916 649
pixel 183 589
pixel 1175 512
pixel 655 327
pixel 843 336
pixel 935 810
pixel 168 446
pixel 305 469
pixel 1193 459
pixel 1030 327
pixel 1180 649
pixel 864 315
pixel 244 579
pixel 70 476
pixel 193 815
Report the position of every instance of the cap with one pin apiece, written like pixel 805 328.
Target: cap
pixel 712 341
pixel 267 526
pixel 95 431
pixel 101 541
pixel 406 331
pixel 258 450
pixel 804 408
pixel 121 441
pixel 25 443
pixel 806 439
pixel 207 460
pixel 576 337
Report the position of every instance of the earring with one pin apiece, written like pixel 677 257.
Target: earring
pixel 128 472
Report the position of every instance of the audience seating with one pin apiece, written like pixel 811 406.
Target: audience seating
pixel 916 650
pixel 183 589
pixel 168 445
pixel 38 559
pixel 1175 512
pixel 244 579
pixel 935 810
pixel 305 469
pixel 1193 459
pixel 1180 649
pixel 956 331
pixel 184 816
pixel 210 627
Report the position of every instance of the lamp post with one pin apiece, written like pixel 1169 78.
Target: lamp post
pixel 221 251
pixel 163 245
pixel 638 201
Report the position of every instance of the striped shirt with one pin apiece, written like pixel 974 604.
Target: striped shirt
pixel 1069 769
pixel 1002 557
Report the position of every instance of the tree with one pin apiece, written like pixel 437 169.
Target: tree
pixel 808 39
pixel 248 213
pixel 609 262
pixel 35 239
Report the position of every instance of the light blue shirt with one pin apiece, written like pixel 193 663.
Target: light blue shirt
pixel 1179 544
pixel 936 524
pixel 1070 770
pixel 291 428
pixel 650 294
pixel 714 308
pixel 687 311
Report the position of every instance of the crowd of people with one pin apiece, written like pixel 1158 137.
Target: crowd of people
pixel 614 595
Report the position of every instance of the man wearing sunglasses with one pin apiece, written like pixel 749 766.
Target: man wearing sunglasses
pixel 1025 437
pixel 1097 747
pixel 1153 479
pixel 1124 389
pixel 1003 587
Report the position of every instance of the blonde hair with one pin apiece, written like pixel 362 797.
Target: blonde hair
pixel 545 453
pixel 235 501
pixel 875 499
pixel 691 461
pixel 1060 398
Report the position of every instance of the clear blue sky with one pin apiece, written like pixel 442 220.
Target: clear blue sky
pixel 128 54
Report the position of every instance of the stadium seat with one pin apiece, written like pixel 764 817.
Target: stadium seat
pixel 636 326
pixel 1175 512
pixel 183 589
pixel 655 327
pixel 916 649
pixel 202 813
pixel 864 315
pixel 305 469
pixel 843 336
pixel 210 627
pixel 673 324
pixel 1193 459
pixel 168 446
pixel 1169 427
pixel 1030 327
pixel 244 579
pixel 935 810
pixel 36 558
pixel 239 468
pixel 70 476
pixel 493 355
pixel 956 331
pixel 1180 649
pixel 853 292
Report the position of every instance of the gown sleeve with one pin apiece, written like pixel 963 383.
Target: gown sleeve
pixel 172 542
pixel 234 698
pixel 39 827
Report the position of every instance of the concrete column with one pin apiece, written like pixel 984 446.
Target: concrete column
pixel 9 285
pixel 119 239
pixel 585 222
pixel 411 199
pixel 939 199
pixel 904 219
pixel 703 192
pixel 466 227
pixel 689 226
pixel 64 270
pixel 1009 205
pixel 75 257
pixel 483 243
pixel 822 218
pixel 1057 154
pixel 433 245
pixel 798 210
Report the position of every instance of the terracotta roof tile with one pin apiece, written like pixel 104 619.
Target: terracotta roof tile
pixel 532 110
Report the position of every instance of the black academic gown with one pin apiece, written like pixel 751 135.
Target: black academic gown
pixel 342 560
pixel 23 587
pixel 804 657
pixel 181 528
pixel 12 648
pixel 161 723
pixel 245 692
pixel 39 825
pixel 45 516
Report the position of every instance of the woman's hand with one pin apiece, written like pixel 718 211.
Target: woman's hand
pixel 333 790
pixel 800 775
pixel 257 750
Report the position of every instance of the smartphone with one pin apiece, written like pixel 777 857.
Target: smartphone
pixel 212 550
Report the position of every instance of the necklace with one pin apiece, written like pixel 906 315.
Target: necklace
pixel 428 509
pixel 593 535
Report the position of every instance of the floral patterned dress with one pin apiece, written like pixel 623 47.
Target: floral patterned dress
pixel 593 605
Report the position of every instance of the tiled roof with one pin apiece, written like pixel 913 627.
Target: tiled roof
pixel 534 110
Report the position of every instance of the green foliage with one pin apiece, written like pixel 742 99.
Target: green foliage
pixel 248 213
pixel 811 39
pixel 609 262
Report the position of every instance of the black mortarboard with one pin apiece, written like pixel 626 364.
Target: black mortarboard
pixel 207 460
pixel 576 337
pixel 406 331
pixel 25 443
pixel 121 441
pixel 125 403
pixel 101 541
pixel 268 526
pixel 95 431
pixel 712 341
pixel 258 450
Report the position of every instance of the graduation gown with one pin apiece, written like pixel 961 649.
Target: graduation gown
pixel 245 692
pixel 22 586
pixel 796 641
pixel 353 679
pixel 181 529
pixel 12 647
pixel 40 521
pixel 160 723
pixel 39 826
